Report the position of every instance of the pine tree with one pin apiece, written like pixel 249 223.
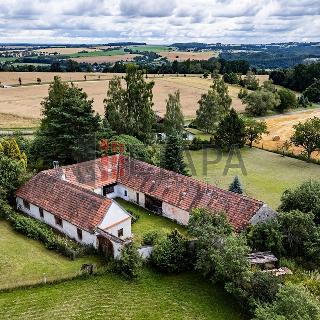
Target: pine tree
pixel 129 111
pixel 69 129
pixel 213 106
pixel 230 132
pixel 236 186
pixel 173 119
pixel 172 158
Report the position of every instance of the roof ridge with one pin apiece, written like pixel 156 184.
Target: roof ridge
pixel 204 184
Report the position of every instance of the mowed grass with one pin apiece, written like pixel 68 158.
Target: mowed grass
pixel 268 174
pixel 148 221
pixel 24 261
pixel 150 48
pixel 96 53
pixel 154 296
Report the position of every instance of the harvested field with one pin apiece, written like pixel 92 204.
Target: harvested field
pixel 15 122
pixel 184 55
pixel 281 125
pixel 11 78
pixel 65 50
pixel 25 101
pixel 107 59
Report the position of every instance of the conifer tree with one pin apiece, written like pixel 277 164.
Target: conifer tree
pixel 173 119
pixel 236 186
pixel 172 157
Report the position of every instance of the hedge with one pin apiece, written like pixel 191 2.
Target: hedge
pixel 37 230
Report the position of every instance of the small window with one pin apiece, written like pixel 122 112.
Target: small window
pixel 120 233
pixel 41 212
pixel 58 221
pixel 125 193
pixel 137 197
pixel 108 189
pixel 26 204
pixel 79 233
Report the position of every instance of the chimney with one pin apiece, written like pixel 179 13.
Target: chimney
pixel 55 164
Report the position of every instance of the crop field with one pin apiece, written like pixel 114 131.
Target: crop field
pixel 107 59
pixel 267 176
pixel 12 78
pixel 282 126
pixel 62 50
pixel 154 296
pixel 24 101
pixel 184 55
pixel 24 261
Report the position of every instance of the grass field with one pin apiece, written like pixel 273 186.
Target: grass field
pixel 107 59
pixel 24 261
pixel 150 48
pixel 11 121
pixel 268 174
pixel 148 221
pixel 96 53
pixel 155 296
pixel 185 55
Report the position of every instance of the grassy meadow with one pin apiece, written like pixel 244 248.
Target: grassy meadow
pixel 268 174
pixel 154 296
pixel 24 261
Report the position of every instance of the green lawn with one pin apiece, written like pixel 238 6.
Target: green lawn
pixel 7 59
pixel 149 221
pixel 150 48
pixel 154 296
pixel 95 53
pixel 268 174
pixel 25 261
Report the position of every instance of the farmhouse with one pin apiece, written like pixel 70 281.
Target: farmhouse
pixel 78 199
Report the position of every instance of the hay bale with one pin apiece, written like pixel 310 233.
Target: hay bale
pixel 276 138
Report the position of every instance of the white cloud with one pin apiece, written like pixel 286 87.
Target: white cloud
pixel 159 21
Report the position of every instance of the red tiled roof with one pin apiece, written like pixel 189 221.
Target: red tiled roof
pixel 83 208
pixel 180 191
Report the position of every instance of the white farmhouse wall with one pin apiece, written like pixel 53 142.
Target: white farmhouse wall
pixel 174 213
pixel 67 228
pixel 115 219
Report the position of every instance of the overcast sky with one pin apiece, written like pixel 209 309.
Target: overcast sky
pixel 159 21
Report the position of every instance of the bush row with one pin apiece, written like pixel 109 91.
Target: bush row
pixel 35 229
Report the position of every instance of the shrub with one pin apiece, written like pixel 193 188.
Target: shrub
pixel 151 237
pixel 292 302
pixel 36 230
pixel 305 198
pixel 197 144
pixel 171 253
pixel 130 263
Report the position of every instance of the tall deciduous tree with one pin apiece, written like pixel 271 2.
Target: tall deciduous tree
pixel 172 157
pixel 213 106
pixel 13 164
pixel 173 119
pixel 68 130
pixel 231 131
pixel 254 130
pixel 259 102
pixel 129 110
pixel 307 136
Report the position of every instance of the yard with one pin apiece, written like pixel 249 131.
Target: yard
pixel 268 174
pixel 154 296
pixel 148 221
pixel 25 261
